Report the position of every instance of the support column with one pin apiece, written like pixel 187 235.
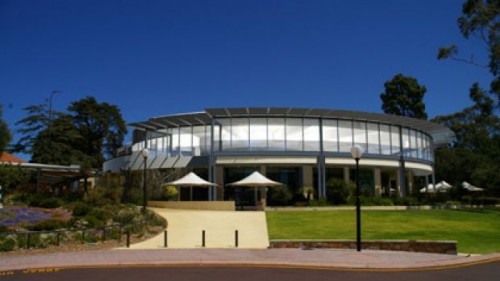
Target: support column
pixel 219 179
pixel 347 178
pixel 262 190
pixel 212 174
pixel 378 181
pixel 402 180
pixel 321 177
pixel 307 178
pixel 411 181
pixel 398 182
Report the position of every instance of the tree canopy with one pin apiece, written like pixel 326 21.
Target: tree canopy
pixel 5 135
pixel 475 156
pixel 404 96
pixel 480 20
pixel 86 135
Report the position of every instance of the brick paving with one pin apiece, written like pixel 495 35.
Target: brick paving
pixel 327 258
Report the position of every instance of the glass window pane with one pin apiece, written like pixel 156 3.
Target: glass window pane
pixel 294 134
pixel 258 133
pixel 225 133
pixel 385 139
pixel 276 134
pixel 413 143
pixel 406 142
pixel 186 140
pixel 345 135
pixel 360 134
pixel 373 139
pixel 199 140
pixel 311 134
pixel 330 138
pixel 240 134
pixel 217 130
pixel 396 150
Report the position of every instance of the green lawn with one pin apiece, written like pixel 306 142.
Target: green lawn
pixel 477 231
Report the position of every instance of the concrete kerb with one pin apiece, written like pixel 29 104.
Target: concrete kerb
pixel 347 260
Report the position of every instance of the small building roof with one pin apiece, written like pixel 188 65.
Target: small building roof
pixel 9 158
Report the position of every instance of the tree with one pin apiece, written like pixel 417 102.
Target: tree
pixel 101 127
pixel 404 96
pixel 58 144
pixel 5 136
pixel 86 135
pixel 36 121
pixel 475 156
pixel 480 20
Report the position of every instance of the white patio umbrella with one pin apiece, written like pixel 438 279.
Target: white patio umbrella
pixel 191 180
pixel 441 186
pixel 470 187
pixel 256 180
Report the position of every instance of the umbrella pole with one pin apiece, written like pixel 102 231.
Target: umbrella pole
pixel 190 193
pixel 255 196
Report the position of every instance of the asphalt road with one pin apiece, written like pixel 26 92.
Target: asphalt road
pixel 483 272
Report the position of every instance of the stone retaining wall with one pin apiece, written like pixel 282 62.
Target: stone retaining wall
pixel 194 205
pixel 438 247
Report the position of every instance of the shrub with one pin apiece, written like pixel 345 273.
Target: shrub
pixel 97 217
pixel 49 203
pixel 125 217
pixel 338 191
pixel 279 196
pixel 170 193
pixel 406 201
pixel 319 202
pixel 376 201
pixel 48 225
pixel 7 244
pixel 80 209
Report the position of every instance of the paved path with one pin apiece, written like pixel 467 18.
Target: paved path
pixel 185 230
pixel 318 258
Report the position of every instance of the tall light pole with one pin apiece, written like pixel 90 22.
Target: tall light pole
pixel 145 154
pixel 50 114
pixel 50 105
pixel 357 153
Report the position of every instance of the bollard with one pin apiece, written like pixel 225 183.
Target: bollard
pixel 58 238
pixel 165 239
pixel 203 238
pixel 28 240
pixel 128 238
pixel 236 238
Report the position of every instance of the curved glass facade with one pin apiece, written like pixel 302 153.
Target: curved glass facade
pixel 278 134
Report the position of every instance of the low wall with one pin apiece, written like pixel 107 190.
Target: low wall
pixel 194 205
pixel 438 247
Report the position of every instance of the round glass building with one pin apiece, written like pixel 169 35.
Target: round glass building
pixel 301 147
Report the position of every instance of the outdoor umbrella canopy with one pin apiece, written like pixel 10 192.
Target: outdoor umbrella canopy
pixel 470 187
pixel 256 179
pixel 191 180
pixel 442 186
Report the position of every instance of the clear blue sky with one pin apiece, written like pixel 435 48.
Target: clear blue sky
pixel 154 58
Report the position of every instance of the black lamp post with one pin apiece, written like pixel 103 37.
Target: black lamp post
pixel 357 153
pixel 145 154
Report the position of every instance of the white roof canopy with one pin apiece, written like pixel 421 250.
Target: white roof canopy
pixel 470 187
pixel 256 179
pixel 191 179
pixel 442 186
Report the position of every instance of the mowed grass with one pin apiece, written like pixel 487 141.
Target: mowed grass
pixel 477 231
